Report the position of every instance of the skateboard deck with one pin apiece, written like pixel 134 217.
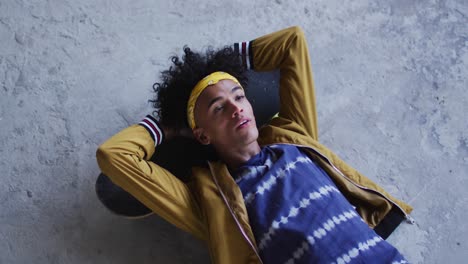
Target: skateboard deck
pixel 180 154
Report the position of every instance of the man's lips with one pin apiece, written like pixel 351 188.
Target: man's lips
pixel 243 123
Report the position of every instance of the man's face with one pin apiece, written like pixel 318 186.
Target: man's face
pixel 224 117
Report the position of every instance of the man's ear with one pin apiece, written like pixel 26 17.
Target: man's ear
pixel 200 135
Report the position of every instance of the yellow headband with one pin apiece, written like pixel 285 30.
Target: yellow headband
pixel 211 79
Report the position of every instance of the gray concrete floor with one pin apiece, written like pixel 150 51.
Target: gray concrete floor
pixel 391 80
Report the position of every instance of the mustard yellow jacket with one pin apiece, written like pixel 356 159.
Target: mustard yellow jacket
pixel 211 205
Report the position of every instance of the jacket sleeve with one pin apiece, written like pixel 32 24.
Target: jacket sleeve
pixel 124 158
pixel 287 51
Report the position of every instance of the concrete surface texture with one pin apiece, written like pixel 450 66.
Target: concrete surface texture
pixel 391 79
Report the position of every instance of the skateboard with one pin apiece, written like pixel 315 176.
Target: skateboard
pixel 118 201
pixel 179 155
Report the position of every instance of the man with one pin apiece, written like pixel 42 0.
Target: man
pixel 276 195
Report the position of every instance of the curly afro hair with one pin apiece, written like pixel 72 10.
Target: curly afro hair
pixel 172 94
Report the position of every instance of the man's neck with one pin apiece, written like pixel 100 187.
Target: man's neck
pixel 234 158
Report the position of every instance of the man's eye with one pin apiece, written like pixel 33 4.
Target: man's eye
pixel 240 97
pixel 218 108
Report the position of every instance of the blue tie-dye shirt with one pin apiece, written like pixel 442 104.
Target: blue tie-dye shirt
pixel 299 216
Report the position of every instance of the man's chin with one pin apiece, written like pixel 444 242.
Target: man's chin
pixel 252 136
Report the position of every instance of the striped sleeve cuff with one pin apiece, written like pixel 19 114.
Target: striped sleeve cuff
pixel 245 51
pixel 153 127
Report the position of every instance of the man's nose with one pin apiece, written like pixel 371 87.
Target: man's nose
pixel 237 109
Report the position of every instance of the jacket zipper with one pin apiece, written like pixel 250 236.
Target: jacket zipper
pixel 408 218
pixel 234 216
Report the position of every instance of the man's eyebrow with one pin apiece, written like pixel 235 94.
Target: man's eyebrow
pixel 214 100
pixel 235 88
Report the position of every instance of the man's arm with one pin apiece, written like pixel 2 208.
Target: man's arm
pixel 125 159
pixel 287 51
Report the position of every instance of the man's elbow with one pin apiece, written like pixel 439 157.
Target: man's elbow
pixel 297 32
pixel 295 35
pixel 104 157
